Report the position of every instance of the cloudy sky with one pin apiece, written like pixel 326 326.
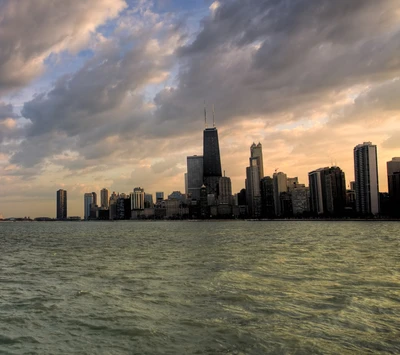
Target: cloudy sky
pixel 109 93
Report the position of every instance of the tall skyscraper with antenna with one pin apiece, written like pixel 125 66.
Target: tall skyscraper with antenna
pixel 211 157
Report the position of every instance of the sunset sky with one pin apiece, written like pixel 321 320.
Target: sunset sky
pixel 110 93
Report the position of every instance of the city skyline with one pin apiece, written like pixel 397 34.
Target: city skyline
pixel 321 197
pixel 112 96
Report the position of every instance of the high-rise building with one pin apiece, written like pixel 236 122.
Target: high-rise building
pixel 267 197
pixel 211 160
pixel 327 191
pixel 393 172
pixel 88 201
pixel 280 186
pixel 104 198
pixel 300 200
pixel 253 188
pixel 137 199
pixel 61 204
pixel 112 207
pixel 204 209
pixel 393 166
pixel 338 186
pixel 316 193
pixel 366 178
pixel 148 200
pixel 185 178
pixel 94 203
pixel 194 175
pixel 177 195
pixel 256 153
pixel 242 197
pixel 159 196
pixel 224 191
pixel 292 183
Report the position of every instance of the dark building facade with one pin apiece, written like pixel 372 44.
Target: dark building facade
pixel 393 174
pixel 211 160
pixel 394 193
pixel 267 197
pixel 123 208
pixel 61 204
pixel 194 176
pixel 338 186
pixel 203 207
pixel 242 201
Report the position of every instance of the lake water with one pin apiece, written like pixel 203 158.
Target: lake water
pixel 294 287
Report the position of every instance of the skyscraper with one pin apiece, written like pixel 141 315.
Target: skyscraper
pixel 159 196
pixel 267 197
pixel 256 152
pixel 137 199
pixel 280 185
pixel 194 175
pixel 94 203
pixel 88 201
pixel 316 194
pixel 104 198
pixel 393 166
pixel 327 191
pixel 253 188
pixel 211 160
pixel 112 207
pixel 224 191
pixel 393 172
pixel 366 178
pixel 148 200
pixel 61 204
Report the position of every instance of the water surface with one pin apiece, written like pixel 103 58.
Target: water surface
pixel 292 287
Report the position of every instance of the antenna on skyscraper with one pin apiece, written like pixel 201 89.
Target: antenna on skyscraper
pixel 213 117
pixel 205 115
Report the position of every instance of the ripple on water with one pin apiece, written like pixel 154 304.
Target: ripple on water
pixel 200 288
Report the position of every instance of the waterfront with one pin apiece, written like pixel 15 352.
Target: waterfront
pixel 234 287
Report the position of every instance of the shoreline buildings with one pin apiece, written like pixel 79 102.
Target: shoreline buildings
pixel 366 178
pixel 209 194
pixel 61 204
pixel 393 174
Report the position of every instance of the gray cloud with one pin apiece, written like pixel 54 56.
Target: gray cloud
pixel 272 61
pixel 102 105
pixel 30 30
pixel 254 58
pixel 9 129
pixel 6 111
pixel 393 142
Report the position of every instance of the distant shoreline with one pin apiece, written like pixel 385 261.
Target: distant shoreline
pixel 223 220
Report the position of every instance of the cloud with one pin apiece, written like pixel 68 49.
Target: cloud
pixel 31 30
pixel 10 130
pixel 310 80
pixel 255 58
pixel 98 111
pixel 393 142
pixel 6 111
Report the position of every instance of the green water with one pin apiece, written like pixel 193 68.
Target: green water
pixel 241 287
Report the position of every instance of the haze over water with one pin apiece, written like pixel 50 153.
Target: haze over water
pixel 293 287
